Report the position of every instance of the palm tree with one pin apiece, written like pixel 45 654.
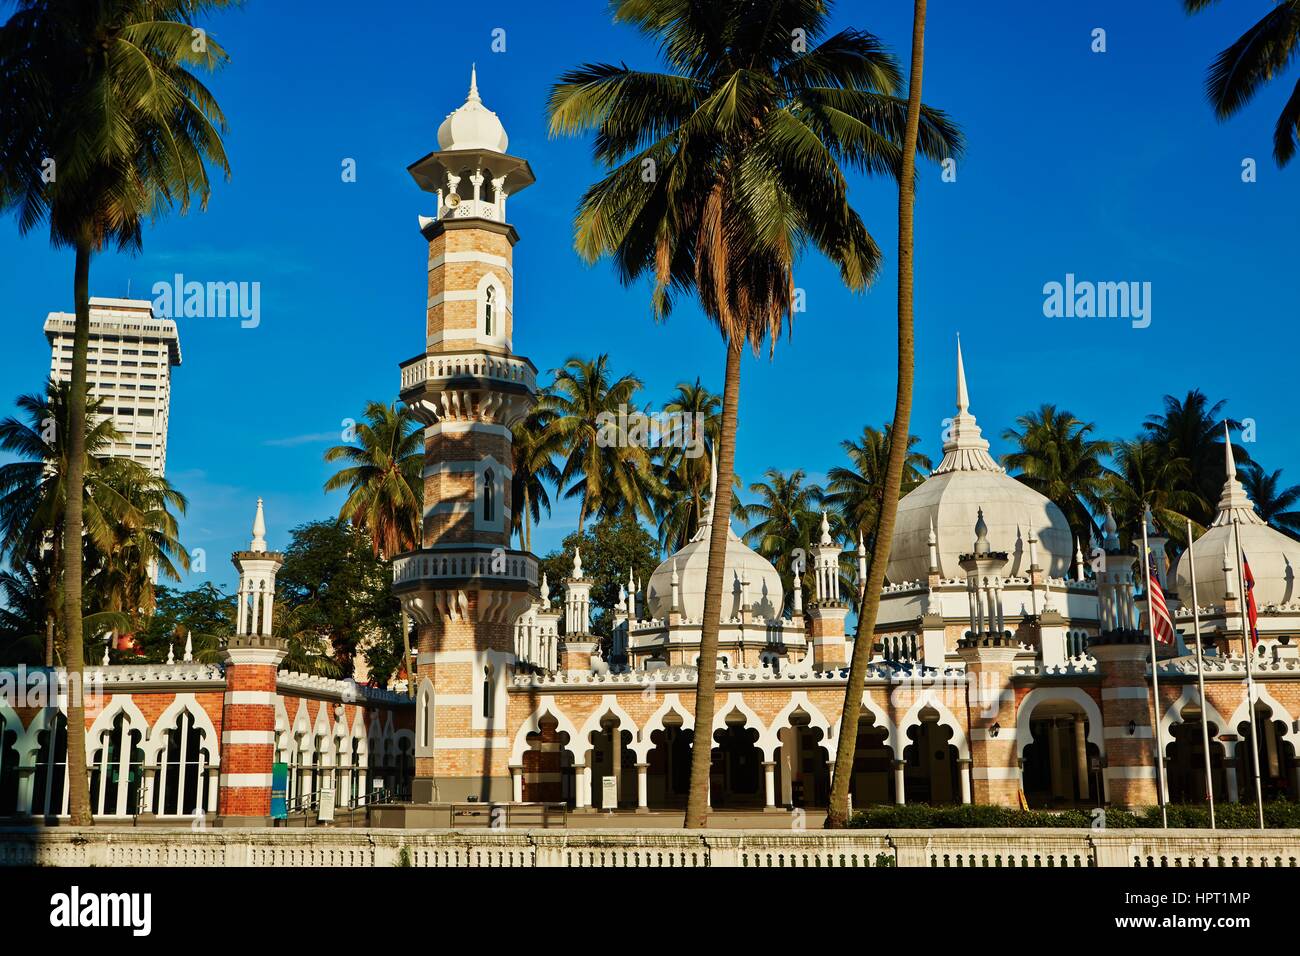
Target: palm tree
pixel 857 493
pixel 1277 505
pixel 533 451
pixel 144 538
pixel 34 491
pixel 610 474
pixel 104 92
pixel 1192 429
pixel 837 815
pixel 720 173
pixel 686 468
pixel 787 516
pixel 1146 477
pixel 1257 56
pixel 385 488
pixel 1056 457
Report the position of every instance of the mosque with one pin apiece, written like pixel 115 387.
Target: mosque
pixel 1005 668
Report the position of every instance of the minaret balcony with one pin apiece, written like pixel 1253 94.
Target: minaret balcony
pixel 468 370
pixel 472 209
pixel 474 567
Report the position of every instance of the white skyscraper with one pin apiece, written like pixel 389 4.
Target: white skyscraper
pixel 129 367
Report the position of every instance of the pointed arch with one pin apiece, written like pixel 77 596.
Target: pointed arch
pixel 1074 695
pixel 736 701
pixel 1190 697
pixel 608 705
pixel 930 698
pixel 799 700
pixel 1262 696
pixel 157 739
pixel 533 724
pixel 672 705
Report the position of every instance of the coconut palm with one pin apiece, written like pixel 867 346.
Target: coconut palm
pixel 143 540
pixel 1056 456
pixel 1192 429
pixel 1277 505
pixel 608 472
pixel 1256 57
pixel 787 521
pixel 720 172
pixel 102 126
pixel 837 814
pixel 385 484
pixel 1146 477
pixel 686 467
pixel 533 450
pixel 857 492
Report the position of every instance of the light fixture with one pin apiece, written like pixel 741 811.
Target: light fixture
pixel 1132 728
pixel 995 730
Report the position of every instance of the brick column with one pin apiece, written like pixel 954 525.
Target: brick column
pixel 1126 717
pixel 248 730
pixel 829 647
pixel 994 749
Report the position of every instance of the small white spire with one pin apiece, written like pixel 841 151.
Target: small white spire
pixel 577 563
pixel 473 84
pixel 1078 559
pixel 189 647
pixel 964 447
pixel 259 529
pixel 1234 503
pixel 826 529
pixel 545 591
pixel 171 653
pixel 932 538
pixel 963 396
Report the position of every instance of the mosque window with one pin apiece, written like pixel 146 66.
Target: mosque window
pixel 182 777
pixel 489 495
pixel 489 307
pixel 487 693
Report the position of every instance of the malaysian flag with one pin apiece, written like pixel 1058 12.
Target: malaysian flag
pixel 1162 625
pixel 1252 610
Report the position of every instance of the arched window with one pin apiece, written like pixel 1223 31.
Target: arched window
pixel 487 692
pixel 51 768
pixel 182 779
pixel 489 495
pixel 118 765
pixel 9 730
pixel 489 305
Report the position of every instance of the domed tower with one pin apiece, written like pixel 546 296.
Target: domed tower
pixel 464 587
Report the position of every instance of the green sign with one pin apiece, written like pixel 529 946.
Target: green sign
pixel 279 791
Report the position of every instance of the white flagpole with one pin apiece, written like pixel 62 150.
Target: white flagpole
pixel 1250 673
pixel 1200 677
pixel 1161 790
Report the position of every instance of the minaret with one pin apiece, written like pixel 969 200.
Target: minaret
pixel 252 657
pixel 964 446
pixel 465 587
pixel 827 611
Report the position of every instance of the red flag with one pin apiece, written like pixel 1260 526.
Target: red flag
pixel 1162 625
pixel 1252 611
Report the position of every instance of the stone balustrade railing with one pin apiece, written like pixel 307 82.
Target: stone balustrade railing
pixel 500 368
pixel 155 846
pixel 478 565
pixel 346 690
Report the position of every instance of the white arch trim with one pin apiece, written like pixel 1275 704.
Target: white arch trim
pixel 672 705
pixel 1242 714
pixel 117 704
pixel 182 702
pixel 799 701
pixel 608 705
pixel 1191 697
pixel 946 719
pixel 736 701
pixel 533 724
pixel 1074 695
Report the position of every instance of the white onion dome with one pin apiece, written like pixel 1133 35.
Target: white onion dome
pixel 473 125
pixel 1274 558
pixel 749 580
pixel 949 502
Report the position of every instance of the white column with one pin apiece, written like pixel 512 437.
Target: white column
pixel 900 785
pixel 213 786
pixel 123 767
pixel 584 785
pixel 181 774
pixel 1081 757
pixel 963 775
pixel 643 786
pixel 769 782
pixel 517 784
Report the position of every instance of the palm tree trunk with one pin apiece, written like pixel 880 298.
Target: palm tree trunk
pixel 406 650
pixel 78 782
pixel 869 607
pixel 697 801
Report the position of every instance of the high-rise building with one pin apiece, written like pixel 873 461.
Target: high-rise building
pixel 129 367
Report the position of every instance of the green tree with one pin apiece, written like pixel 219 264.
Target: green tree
pixel 686 467
pixel 335 594
pixel 720 173
pixel 611 472
pixel 1256 57
pixel 1057 457
pixel 104 91
pixel 385 485
pixel 1191 429
pixel 533 450
pixel 1146 477
pixel 787 521
pixel 838 813
pixel 858 492
pixel 1275 503
pixel 205 614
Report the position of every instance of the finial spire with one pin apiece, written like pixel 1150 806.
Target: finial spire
pixel 1234 503
pixel 963 396
pixel 259 529
pixel 577 564
pixel 826 529
pixel 473 84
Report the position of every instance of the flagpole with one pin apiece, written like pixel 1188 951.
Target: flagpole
pixel 1155 684
pixel 1200 676
pixel 1250 672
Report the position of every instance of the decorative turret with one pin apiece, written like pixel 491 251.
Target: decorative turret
pixel 984 568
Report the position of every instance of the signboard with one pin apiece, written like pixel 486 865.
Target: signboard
pixel 279 791
pixel 325 812
pixel 609 793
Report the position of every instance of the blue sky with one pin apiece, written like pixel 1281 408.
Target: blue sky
pixel 1107 165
